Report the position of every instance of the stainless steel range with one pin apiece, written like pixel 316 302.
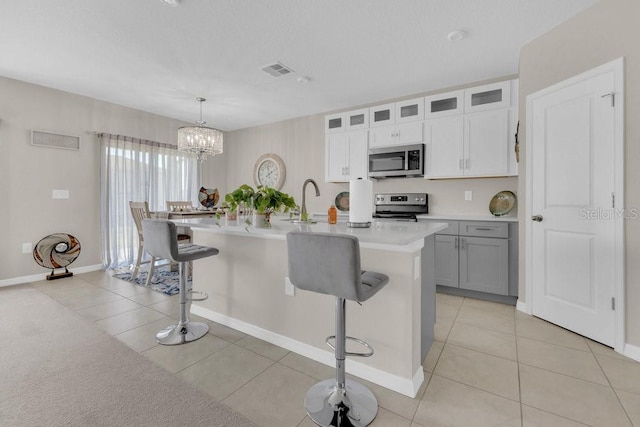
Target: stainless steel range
pixel 401 206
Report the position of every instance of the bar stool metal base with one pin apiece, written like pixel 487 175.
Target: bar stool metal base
pixel 326 405
pixel 182 333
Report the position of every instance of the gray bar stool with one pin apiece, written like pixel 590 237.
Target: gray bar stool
pixel 329 263
pixel 161 241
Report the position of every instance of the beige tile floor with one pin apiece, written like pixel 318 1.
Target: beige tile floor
pixel 489 366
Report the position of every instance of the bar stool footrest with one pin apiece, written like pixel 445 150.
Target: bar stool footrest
pixel 203 296
pixel 348 353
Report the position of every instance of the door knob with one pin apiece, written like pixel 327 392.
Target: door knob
pixel 537 218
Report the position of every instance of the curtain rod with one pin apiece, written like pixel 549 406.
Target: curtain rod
pixel 136 140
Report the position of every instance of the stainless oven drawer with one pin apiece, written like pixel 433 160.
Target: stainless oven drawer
pixel 484 229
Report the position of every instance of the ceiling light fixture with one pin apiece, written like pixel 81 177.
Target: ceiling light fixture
pixel 456 35
pixel 170 2
pixel 200 140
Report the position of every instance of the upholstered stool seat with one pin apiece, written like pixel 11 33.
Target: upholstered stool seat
pixel 329 263
pixel 161 241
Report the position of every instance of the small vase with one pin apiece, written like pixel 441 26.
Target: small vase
pixel 261 220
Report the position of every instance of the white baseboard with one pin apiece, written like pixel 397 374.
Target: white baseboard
pixel 523 307
pixel 408 387
pixel 632 352
pixel 43 276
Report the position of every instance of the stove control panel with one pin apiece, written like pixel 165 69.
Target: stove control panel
pixel 401 199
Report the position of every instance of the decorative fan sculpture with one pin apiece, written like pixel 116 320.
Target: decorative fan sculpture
pixel 57 251
pixel 208 198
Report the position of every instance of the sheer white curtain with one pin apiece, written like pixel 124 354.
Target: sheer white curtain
pixel 138 170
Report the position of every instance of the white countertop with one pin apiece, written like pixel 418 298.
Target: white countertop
pixel 397 236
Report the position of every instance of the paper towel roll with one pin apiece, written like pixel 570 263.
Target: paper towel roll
pixel 360 200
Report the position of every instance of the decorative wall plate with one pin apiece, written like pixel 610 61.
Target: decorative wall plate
pixel 342 201
pixel 502 203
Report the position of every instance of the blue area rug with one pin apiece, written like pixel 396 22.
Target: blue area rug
pixel 165 281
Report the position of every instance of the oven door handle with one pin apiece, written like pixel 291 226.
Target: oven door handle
pixel 406 161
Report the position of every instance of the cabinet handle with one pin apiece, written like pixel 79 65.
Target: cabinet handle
pixel 346 170
pixel 460 166
pixel 462 245
pixel 455 243
pixel 483 229
pixel 467 163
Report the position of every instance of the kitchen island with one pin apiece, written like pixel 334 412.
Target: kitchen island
pixel 248 290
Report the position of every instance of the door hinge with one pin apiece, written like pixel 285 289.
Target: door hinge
pixel 613 98
pixel 613 304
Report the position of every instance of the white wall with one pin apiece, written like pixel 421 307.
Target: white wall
pixel 602 33
pixel 28 173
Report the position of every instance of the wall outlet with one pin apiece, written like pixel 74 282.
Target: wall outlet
pixel 468 195
pixel 27 248
pixel 60 194
pixel 289 289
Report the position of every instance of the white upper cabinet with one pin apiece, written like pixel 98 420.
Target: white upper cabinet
pixel 444 147
pixel 444 104
pixel 478 142
pixel 488 97
pixel 346 156
pixel 351 120
pixel 469 145
pixel 382 115
pixel 410 110
pixel 399 134
pixel 486 143
pixel 467 133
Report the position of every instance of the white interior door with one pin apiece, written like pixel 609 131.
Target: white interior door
pixel 571 141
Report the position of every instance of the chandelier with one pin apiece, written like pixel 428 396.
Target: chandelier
pixel 200 140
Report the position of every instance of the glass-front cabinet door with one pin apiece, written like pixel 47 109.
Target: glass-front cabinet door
pixel 487 97
pixel 334 123
pixel 410 110
pixel 444 104
pixel 357 119
pixel 382 115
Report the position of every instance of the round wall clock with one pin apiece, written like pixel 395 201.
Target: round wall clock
pixel 269 171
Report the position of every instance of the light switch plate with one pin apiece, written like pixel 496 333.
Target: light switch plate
pixel 27 248
pixel 60 194
pixel 468 195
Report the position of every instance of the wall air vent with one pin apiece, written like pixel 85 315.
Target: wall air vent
pixel 277 69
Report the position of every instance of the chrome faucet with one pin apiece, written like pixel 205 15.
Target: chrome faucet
pixel 303 208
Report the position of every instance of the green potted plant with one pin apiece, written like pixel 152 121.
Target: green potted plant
pixel 267 200
pixel 240 197
pixel 264 201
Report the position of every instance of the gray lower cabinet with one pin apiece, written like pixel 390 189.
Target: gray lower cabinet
pixel 484 265
pixel 477 256
pixel 446 270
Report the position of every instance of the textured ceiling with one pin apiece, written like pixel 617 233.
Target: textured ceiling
pixel 149 56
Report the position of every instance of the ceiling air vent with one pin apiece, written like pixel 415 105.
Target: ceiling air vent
pixel 277 69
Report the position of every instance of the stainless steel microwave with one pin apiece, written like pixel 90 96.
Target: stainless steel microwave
pixel 397 162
